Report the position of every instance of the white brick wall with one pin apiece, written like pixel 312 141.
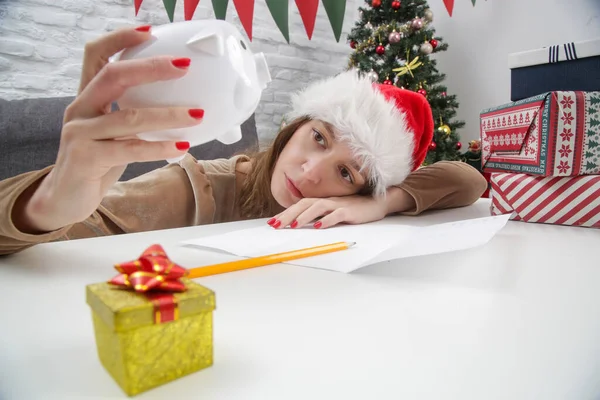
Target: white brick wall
pixel 41 45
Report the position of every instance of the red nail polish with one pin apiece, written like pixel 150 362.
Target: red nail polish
pixel 143 28
pixel 277 224
pixel 294 224
pixel 182 145
pixel 318 224
pixel 197 113
pixel 181 62
pixel 271 221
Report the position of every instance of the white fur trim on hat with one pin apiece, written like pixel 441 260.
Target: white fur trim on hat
pixel 375 129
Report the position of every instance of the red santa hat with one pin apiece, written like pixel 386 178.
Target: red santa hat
pixel 389 129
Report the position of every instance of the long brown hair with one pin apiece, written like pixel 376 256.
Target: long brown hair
pixel 256 200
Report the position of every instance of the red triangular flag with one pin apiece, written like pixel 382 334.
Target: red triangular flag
pixel 308 12
pixel 137 4
pixel 449 6
pixel 189 8
pixel 245 9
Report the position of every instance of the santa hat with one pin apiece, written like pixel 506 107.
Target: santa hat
pixel 389 129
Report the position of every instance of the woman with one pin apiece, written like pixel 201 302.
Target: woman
pixel 351 155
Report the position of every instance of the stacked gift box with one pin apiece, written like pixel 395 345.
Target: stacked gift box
pixel 543 148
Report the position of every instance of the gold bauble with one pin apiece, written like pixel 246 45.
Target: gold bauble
pixel 444 129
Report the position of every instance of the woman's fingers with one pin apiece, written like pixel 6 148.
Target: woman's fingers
pixel 115 78
pixel 128 123
pixel 333 218
pixel 98 52
pixel 302 213
pixel 111 153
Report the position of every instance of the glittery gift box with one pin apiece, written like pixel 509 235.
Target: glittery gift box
pixel 138 350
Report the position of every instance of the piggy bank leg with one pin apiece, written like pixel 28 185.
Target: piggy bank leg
pixel 232 136
pixel 175 160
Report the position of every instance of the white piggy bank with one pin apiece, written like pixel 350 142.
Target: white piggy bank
pixel 225 79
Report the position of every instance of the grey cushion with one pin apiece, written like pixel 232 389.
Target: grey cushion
pixel 30 135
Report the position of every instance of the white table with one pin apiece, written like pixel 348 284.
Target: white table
pixel 518 318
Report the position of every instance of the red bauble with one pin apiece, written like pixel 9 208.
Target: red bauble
pixel 380 49
pixel 432 146
pixel 375 3
pixel 422 91
pixel 387 82
pixel 395 4
pixel 433 43
pixel 353 44
pixel 458 145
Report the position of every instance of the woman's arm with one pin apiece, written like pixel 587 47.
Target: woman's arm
pixel 445 184
pixel 169 197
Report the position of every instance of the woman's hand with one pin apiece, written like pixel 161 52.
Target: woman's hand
pixel 335 210
pixel 96 145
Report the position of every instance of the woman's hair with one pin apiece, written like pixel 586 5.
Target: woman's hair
pixel 256 200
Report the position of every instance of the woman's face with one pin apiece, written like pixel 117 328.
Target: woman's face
pixel 314 164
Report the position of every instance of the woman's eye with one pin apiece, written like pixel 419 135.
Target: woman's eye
pixel 346 174
pixel 318 137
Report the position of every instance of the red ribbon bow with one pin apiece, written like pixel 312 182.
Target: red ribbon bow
pixel 153 272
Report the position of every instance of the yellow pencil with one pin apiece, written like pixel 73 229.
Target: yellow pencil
pixel 266 260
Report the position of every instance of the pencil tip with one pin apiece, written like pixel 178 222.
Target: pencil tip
pixel 350 244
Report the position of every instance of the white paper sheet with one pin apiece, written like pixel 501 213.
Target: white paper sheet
pixel 374 242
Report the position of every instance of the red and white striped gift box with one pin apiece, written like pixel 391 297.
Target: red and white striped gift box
pixel 550 200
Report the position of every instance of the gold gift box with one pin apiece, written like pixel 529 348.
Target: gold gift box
pixel 141 354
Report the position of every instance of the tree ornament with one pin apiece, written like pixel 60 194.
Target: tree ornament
pixel 458 145
pixel 375 3
pixel 353 44
pixel 380 49
pixel 432 146
pixel 394 37
pixel 373 76
pixel 426 48
pixel 433 43
pixel 444 94
pixel 369 26
pixel 396 4
pixel 445 129
pixel 422 92
pixel 387 82
pixel 428 14
pixel 416 23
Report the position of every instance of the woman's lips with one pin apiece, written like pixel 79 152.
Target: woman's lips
pixel 292 188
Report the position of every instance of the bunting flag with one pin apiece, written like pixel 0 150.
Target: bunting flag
pixel 473 1
pixel 220 8
pixel 137 4
pixel 189 8
pixel 245 9
pixel 449 6
pixel 335 12
pixel 279 12
pixel 170 7
pixel 308 12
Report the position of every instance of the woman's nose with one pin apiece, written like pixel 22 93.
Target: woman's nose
pixel 312 170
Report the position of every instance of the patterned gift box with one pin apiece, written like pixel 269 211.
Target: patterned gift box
pixel 552 200
pixel 553 134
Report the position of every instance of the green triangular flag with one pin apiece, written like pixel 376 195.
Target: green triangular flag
pixel 335 11
pixel 170 7
pixel 220 8
pixel 473 1
pixel 279 11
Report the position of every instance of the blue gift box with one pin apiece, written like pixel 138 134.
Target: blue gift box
pixel 569 67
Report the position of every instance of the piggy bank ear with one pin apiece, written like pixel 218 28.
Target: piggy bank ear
pixel 207 42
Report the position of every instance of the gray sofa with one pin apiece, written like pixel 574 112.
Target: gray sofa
pixel 30 135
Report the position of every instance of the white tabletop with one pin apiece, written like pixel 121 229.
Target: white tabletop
pixel 518 318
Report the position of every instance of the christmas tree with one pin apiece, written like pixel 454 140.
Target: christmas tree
pixel 393 41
